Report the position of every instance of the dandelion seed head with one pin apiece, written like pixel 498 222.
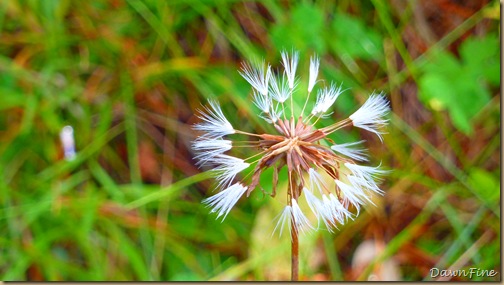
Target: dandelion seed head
pixel 328 175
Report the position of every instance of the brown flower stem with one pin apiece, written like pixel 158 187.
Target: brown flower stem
pixel 294 253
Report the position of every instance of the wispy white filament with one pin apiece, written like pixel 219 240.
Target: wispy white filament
pixel 312 201
pixel 344 149
pixel 365 176
pixel 257 76
pixel 275 114
pixel 325 99
pixel 279 88
pixel 284 219
pixel 228 167
pixel 301 222
pixel 328 209
pixel 339 209
pixel 316 181
pixel 314 68
pixel 290 65
pixel 204 145
pixel 365 184
pixel 224 201
pixel 214 122
pixel 367 172
pixel 332 212
pixel 353 195
pixel 263 102
pixel 208 149
pixel 370 115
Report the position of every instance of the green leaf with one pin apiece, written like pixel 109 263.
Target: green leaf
pixel 435 91
pixel 304 30
pixel 486 184
pixel 481 57
pixel 353 38
pixel 460 86
pixel 309 24
pixel 444 64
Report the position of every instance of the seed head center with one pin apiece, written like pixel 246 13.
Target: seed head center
pixel 293 142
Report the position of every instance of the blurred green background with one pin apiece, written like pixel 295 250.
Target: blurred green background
pixel 127 75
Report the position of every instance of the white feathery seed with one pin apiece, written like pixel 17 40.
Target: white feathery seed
pixel 365 176
pixel 370 116
pixel 283 220
pixel 353 195
pixel 366 172
pixel 275 114
pixel 325 99
pixel 224 201
pixel 312 201
pixel 211 144
pixel 314 69
pixel 208 149
pixel 339 209
pixel 365 184
pixel 263 102
pixel 316 181
pixel 279 88
pixel 301 222
pixel 215 124
pixel 329 214
pixel 356 154
pixel 227 169
pixel 290 66
pixel 257 76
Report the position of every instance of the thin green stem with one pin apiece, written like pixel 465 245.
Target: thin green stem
pixel 291 103
pixel 245 133
pixel 283 111
pixel 255 155
pixel 336 126
pixel 305 102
